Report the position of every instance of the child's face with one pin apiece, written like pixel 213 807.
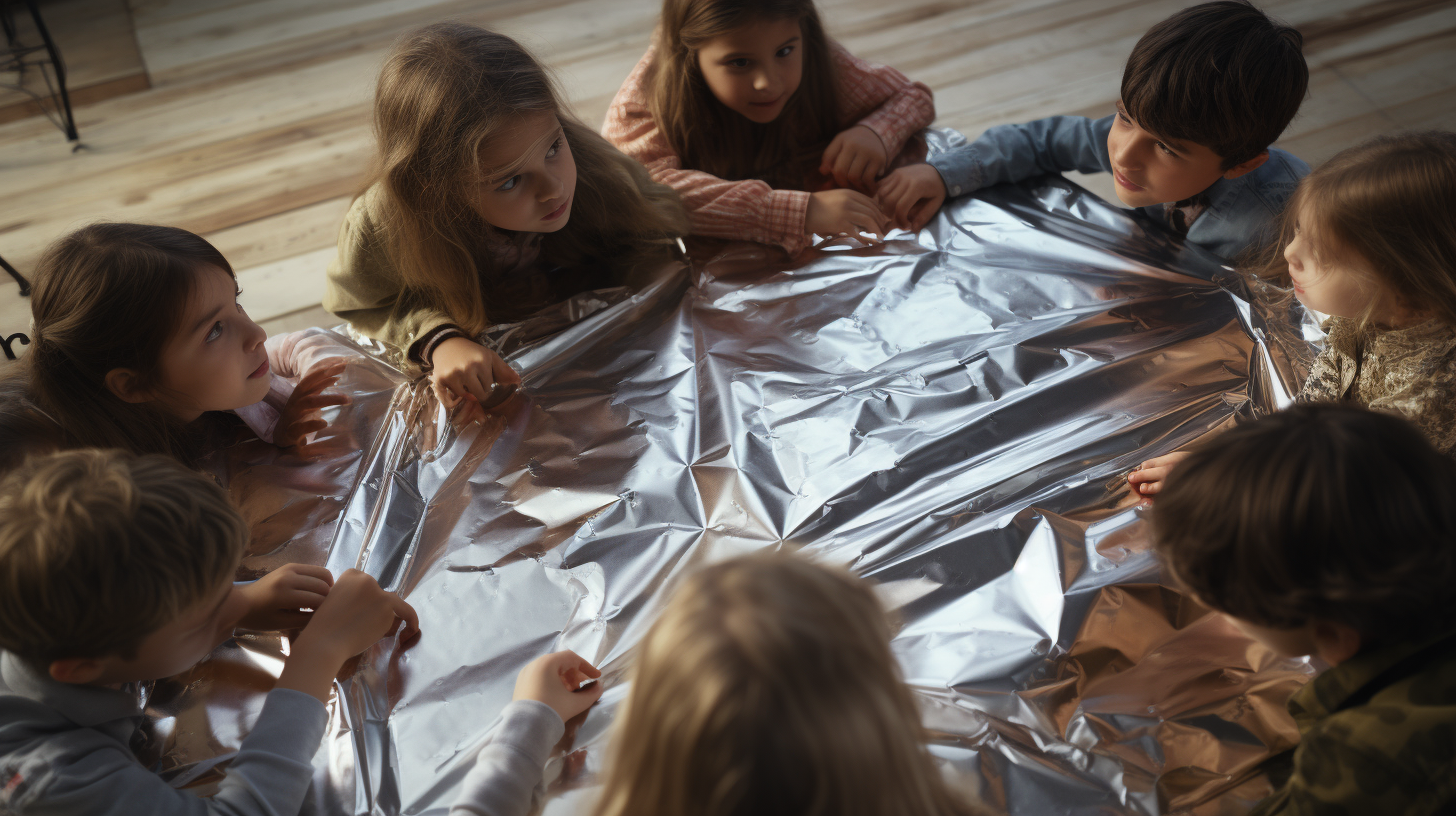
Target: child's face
pixel 755 68
pixel 1335 286
pixel 1149 170
pixel 530 176
pixel 216 360
pixel 181 643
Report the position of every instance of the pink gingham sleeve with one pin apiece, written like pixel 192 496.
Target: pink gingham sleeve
pixel 743 210
pixel 882 99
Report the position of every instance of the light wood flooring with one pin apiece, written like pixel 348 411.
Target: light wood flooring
pixel 255 130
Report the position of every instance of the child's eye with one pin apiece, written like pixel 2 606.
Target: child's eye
pixel 509 185
pixel 1166 149
pixel 216 330
pixel 785 51
pixel 555 147
pixel 738 63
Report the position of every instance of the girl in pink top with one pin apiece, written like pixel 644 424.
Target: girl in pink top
pixel 768 130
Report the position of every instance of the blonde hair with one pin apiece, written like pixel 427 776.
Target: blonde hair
pixel 710 137
pixel 446 90
pixel 766 687
pixel 98 549
pixel 108 296
pixel 1391 202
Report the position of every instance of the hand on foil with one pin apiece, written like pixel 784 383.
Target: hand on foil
pixel 465 370
pixel 354 615
pixel 556 679
pixel 1148 478
pixel 836 212
pixel 855 158
pixel 300 415
pixel 277 600
pixel 911 195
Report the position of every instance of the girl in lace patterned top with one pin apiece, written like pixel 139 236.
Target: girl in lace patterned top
pixel 768 129
pixel 1369 239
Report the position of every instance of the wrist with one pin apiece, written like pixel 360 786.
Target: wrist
pixel 310 668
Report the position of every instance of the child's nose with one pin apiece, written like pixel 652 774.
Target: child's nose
pixel 255 335
pixel 551 188
pixel 762 81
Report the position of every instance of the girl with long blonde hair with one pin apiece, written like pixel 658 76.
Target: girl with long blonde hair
pixel 489 201
pixel 1369 239
pixel 767 687
pixel 768 129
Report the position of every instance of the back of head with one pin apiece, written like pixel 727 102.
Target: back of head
pixel 110 296
pixel 1391 203
pixel 1220 74
pixel 767 686
pixel 710 137
pixel 1320 512
pixel 445 91
pixel 100 548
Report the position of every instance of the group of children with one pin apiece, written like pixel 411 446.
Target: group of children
pixel 766 685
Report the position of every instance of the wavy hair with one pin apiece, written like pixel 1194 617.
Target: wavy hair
pixel 444 92
pixel 1390 202
pixel 767 688
pixel 710 137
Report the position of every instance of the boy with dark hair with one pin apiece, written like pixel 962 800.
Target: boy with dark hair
pixel 1330 530
pixel 1204 94
pixel 117 569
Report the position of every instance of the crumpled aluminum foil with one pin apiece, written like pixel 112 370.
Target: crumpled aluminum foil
pixel 952 414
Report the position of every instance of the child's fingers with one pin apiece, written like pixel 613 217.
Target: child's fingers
pixel 314 571
pixel 300 599
pixel 406 613
pixel 298 430
pixel 314 402
pixel 504 374
pixel 443 394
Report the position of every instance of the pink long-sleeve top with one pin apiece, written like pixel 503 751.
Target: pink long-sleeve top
pixel 876 96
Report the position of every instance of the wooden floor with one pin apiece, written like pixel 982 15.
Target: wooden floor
pixel 255 129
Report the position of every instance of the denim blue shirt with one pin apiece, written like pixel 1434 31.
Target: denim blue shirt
pixel 1241 212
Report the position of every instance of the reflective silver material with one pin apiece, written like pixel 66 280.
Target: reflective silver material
pixel 952 414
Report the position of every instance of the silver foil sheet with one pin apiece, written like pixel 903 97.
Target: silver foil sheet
pixel 951 414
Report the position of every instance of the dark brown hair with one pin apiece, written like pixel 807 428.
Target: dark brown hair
pixel 1391 202
pixel 444 91
pixel 108 296
pixel 710 137
pixel 1318 512
pixel 1218 74
pixel 98 549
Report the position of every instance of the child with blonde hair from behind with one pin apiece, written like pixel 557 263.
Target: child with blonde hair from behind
pixel 768 687
pixel 1369 238
pixel 488 202
pixel 769 130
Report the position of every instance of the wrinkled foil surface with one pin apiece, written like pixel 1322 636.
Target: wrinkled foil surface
pixel 951 414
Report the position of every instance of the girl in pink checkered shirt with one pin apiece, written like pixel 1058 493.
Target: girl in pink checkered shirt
pixel 769 130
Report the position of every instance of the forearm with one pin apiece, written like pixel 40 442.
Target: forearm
pixel 1010 153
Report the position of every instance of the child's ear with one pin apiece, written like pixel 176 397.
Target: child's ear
pixel 125 384
pixel 76 670
pixel 1337 642
pixel 1247 167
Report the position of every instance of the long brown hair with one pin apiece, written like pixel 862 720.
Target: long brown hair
pixel 1391 202
pixel 446 90
pixel 767 687
pixel 108 296
pixel 710 137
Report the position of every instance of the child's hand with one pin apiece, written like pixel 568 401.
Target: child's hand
pixel 299 416
pixel 1149 477
pixel 855 158
pixel 556 679
pixel 355 614
pixel 276 600
pixel 464 369
pixel 832 212
pixel 911 195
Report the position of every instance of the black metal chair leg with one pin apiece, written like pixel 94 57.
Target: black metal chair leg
pixel 20 279
pixel 55 55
